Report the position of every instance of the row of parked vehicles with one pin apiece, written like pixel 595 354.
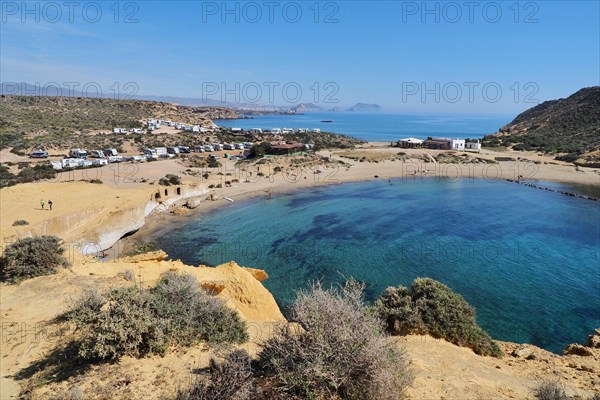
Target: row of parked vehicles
pixel 220 147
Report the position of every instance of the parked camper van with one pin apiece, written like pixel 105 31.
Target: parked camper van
pixel 256 131
pixel 39 154
pixel 161 150
pixel 208 148
pixel 97 154
pixel 150 153
pixel 110 152
pixel 276 131
pixel 198 149
pixel 173 150
pixel 228 146
pixel 184 149
pixel 78 153
pixel 218 146
pixel 316 130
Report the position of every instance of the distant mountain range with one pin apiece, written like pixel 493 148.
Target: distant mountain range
pixel 27 89
pixel 570 125
pixel 363 107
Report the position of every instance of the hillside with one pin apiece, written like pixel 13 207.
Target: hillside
pixel 40 361
pixel 570 126
pixel 25 118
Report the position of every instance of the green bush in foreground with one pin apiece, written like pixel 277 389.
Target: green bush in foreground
pixel 433 308
pixel 192 315
pixel 30 257
pixel 340 351
pixel 138 322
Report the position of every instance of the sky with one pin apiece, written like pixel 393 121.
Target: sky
pixel 469 57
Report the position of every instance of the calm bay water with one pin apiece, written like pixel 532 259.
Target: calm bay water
pixel 527 259
pixel 381 127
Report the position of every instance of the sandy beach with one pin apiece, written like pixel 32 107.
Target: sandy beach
pixel 125 201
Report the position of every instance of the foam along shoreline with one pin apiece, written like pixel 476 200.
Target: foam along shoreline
pixel 159 223
pixel 94 218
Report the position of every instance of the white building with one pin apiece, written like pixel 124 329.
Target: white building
pixel 473 146
pixel 410 142
pixel 458 144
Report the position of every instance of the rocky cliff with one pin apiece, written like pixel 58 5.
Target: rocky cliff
pixel 570 125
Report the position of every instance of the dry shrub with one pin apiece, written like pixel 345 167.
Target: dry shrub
pixel 341 351
pixel 30 257
pixel 230 380
pixel 550 390
pixel 137 322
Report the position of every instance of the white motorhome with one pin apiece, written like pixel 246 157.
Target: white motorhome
pixel 256 131
pixel 208 148
pixel 316 130
pixel 110 152
pixel 218 146
pixel 151 153
pixel 78 153
pixel 195 128
pixel 228 146
pixel 100 162
pixel 287 130
pixel 276 131
pixel 97 154
pixel 160 150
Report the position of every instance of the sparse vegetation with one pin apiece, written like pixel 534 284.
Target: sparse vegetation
pixel 192 315
pixel 430 307
pixel 31 257
pixel 230 380
pixel 558 126
pixel 169 180
pixel 339 352
pixel 26 174
pixel 32 121
pixel 550 390
pixel 137 322
pixel 20 222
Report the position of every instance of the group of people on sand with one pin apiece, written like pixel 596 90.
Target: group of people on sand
pixel 42 203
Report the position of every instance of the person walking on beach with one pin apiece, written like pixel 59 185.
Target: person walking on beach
pixel 42 203
pixel 50 204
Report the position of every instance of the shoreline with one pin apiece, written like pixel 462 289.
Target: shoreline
pixel 158 223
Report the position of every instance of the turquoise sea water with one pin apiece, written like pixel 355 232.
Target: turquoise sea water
pixel 379 126
pixel 527 259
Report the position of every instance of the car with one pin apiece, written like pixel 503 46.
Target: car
pixel 39 154
pixel 214 157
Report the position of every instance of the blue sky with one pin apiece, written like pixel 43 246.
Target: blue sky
pixel 485 57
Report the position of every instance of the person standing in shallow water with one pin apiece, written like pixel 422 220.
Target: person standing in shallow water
pixel 50 204
pixel 42 204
